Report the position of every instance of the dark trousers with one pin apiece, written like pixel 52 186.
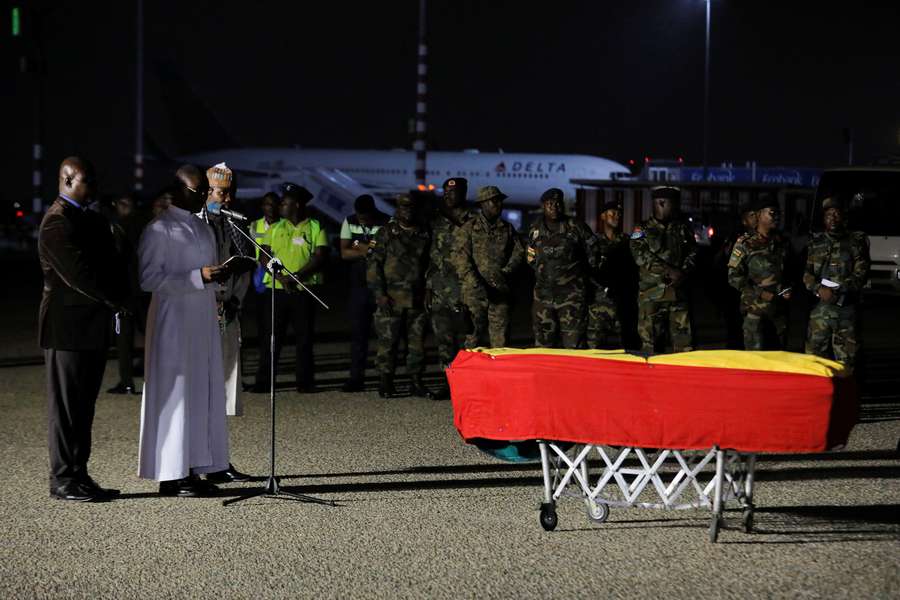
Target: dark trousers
pixel 73 382
pixel 361 307
pixel 297 309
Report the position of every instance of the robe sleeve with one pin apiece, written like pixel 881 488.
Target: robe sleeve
pixel 155 277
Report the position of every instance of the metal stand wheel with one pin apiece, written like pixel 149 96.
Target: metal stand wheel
pixel 597 512
pixel 548 516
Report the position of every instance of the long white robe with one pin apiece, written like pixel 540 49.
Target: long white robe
pixel 183 426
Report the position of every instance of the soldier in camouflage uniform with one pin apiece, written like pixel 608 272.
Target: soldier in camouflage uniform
pixel 443 294
pixel 837 268
pixel 395 272
pixel 759 269
pixel 562 251
pixel 489 253
pixel 607 280
pixel 665 251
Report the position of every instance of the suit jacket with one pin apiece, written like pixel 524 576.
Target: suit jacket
pixel 83 278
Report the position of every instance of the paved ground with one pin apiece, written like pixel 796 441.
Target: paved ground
pixel 420 514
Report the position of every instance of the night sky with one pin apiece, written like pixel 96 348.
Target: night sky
pixel 620 80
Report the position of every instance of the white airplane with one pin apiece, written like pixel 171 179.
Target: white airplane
pixel 336 177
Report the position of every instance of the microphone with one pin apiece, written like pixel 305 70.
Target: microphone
pixel 216 209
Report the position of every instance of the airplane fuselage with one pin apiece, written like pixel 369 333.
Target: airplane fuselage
pixel 523 177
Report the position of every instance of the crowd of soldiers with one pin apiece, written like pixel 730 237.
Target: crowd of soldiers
pixel 457 269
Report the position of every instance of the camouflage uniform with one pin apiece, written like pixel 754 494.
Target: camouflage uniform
pixel 759 264
pixel 396 268
pixel 603 321
pixel 488 255
pixel 657 246
pixel 561 261
pixel 442 280
pixel 842 257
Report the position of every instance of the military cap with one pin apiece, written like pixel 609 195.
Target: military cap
pixel 765 201
pixel 364 204
pixel 747 207
pixel 665 191
pixel 300 193
pixel 610 205
pixel 405 200
pixel 490 192
pixel 219 176
pixel 831 202
pixel 552 194
pixel 457 183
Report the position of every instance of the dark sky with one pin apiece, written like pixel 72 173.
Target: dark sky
pixel 621 80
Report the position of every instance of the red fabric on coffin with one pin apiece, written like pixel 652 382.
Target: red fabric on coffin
pixel 622 403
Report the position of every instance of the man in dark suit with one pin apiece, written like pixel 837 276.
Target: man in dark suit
pixel 83 286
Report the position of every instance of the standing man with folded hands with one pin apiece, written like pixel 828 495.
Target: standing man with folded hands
pixel 84 284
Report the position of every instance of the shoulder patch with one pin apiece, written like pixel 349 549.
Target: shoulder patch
pixel 638 233
pixel 535 233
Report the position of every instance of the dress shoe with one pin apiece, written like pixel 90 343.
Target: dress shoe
pixel 229 475
pixel 90 484
pixel 386 387
pixel 76 491
pixel 189 487
pixel 120 388
pixel 417 388
pixel 353 385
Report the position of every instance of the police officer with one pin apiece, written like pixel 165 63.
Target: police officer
pixel 357 234
pixel 489 253
pixel 837 267
pixel 666 253
pixel 443 293
pixel 396 275
pixel 759 268
pixel 561 250
pixel 609 280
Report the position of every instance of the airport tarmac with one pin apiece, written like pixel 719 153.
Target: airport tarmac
pixel 421 514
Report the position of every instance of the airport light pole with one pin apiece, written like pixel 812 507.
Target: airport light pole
pixel 706 97
pixel 139 102
pixel 421 94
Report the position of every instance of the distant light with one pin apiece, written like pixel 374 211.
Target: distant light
pixel 16 24
pixel 19 214
pixel 421 187
pixel 646 159
pixel 430 187
pixel 710 232
pixel 680 160
pixel 630 161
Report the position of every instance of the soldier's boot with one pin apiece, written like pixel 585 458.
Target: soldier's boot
pixel 386 387
pixel 443 392
pixel 417 388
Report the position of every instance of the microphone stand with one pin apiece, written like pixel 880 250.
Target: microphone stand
pixel 272 489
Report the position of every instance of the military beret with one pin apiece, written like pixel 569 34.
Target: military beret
pixel 610 205
pixel 490 192
pixel 765 201
pixel 665 191
pixel 219 176
pixel 456 182
pixel 552 194
pixel 831 202
pixel 300 193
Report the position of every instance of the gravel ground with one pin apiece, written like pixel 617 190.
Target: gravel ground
pixel 421 514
